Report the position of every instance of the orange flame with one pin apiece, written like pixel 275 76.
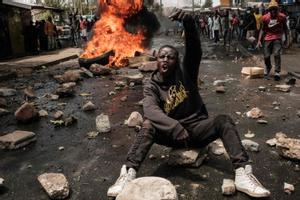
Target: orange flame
pixel 110 33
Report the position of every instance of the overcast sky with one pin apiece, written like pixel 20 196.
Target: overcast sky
pixel 181 3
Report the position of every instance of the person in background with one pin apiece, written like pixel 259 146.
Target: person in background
pixel 235 26
pixel 226 26
pixel 210 26
pixel 250 27
pixel 50 33
pixel 258 17
pixel 202 25
pixel 273 27
pixel 83 29
pixel 241 18
pixel 217 27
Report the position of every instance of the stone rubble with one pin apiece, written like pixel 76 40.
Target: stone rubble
pixel 187 157
pixel 100 70
pixel 220 89
pixel 29 92
pixel 1 182
pixel 17 139
pixel 272 142
pixel 103 124
pixel 3 102
pixel 217 148
pixel 66 89
pixel 253 72
pixel 249 134
pixel 69 76
pixel 261 121
pixel 228 187
pixel 288 188
pixel 290 81
pixel 135 119
pixel 55 184
pixel 149 188
pixel 250 145
pixel 3 112
pixel 43 113
pixel 7 92
pixel 283 88
pixel 149 66
pixel 135 78
pixel 288 147
pixel 26 112
pixel 58 114
pixel 220 83
pixel 89 106
pixel 255 113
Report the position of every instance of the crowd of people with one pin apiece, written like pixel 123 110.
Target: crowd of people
pixel 43 35
pixel 228 25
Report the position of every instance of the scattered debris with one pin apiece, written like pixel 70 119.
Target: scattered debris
pixel 272 142
pixel 238 113
pixel 217 148
pixel 111 93
pixel 253 72
pixel 1 182
pixel 249 134
pixel 89 106
pixel 187 157
pixel 136 78
pixel 276 108
pixel 290 81
pixel 120 84
pixel 103 124
pixel 66 89
pixel 135 119
pixel 58 114
pixel 29 92
pixel 288 147
pixel 283 88
pixel 123 99
pixel 87 72
pixel 228 187
pixel 55 184
pixel 262 88
pixel 275 103
pixel 43 113
pixel 57 122
pixel 254 113
pixel 3 112
pixel 298 113
pixel 149 66
pixel 261 121
pixel 288 188
pixel 220 83
pixel 70 120
pixel 69 76
pixel 3 102
pixel 250 145
pixel 100 70
pixel 26 112
pixel 85 94
pixel 220 89
pixel 61 148
pixel 152 157
pixel 7 92
pixel 92 134
pixel 17 139
pixel 149 188
pixel 54 97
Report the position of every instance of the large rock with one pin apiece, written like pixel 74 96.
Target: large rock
pixel 26 112
pixel 135 78
pixel 69 76
pixel 187 157
pixel 253 72
pixel 7 92
pixel 16 139
pixel 250 145
pixel 55 184
pixel 288 147
pixel 255 113
pixel 135 119
pixel 228 187
pixel 100 70
pixel 148 188
pixel 148 66
pixel 102 123
pixel 135 62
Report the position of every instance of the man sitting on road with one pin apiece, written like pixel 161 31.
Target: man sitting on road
pixel 273 27
pixel 177 117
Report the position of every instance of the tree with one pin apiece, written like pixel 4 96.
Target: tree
pixel 207 4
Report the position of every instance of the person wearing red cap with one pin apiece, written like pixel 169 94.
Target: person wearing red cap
pixel 273 27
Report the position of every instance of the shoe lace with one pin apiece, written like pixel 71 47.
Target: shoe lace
pixel 253 181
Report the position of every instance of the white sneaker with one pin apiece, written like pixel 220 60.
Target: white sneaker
pixel 246 182
pixel 124 178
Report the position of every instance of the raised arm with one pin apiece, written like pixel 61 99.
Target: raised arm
pixel 193 51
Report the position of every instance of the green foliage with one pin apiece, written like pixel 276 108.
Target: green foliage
pixel 55 3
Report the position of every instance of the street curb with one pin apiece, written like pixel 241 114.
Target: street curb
pixel 56 61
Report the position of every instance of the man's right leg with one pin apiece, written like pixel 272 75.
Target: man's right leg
pixel 136 155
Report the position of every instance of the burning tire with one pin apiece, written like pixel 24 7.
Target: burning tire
pixel 102 60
